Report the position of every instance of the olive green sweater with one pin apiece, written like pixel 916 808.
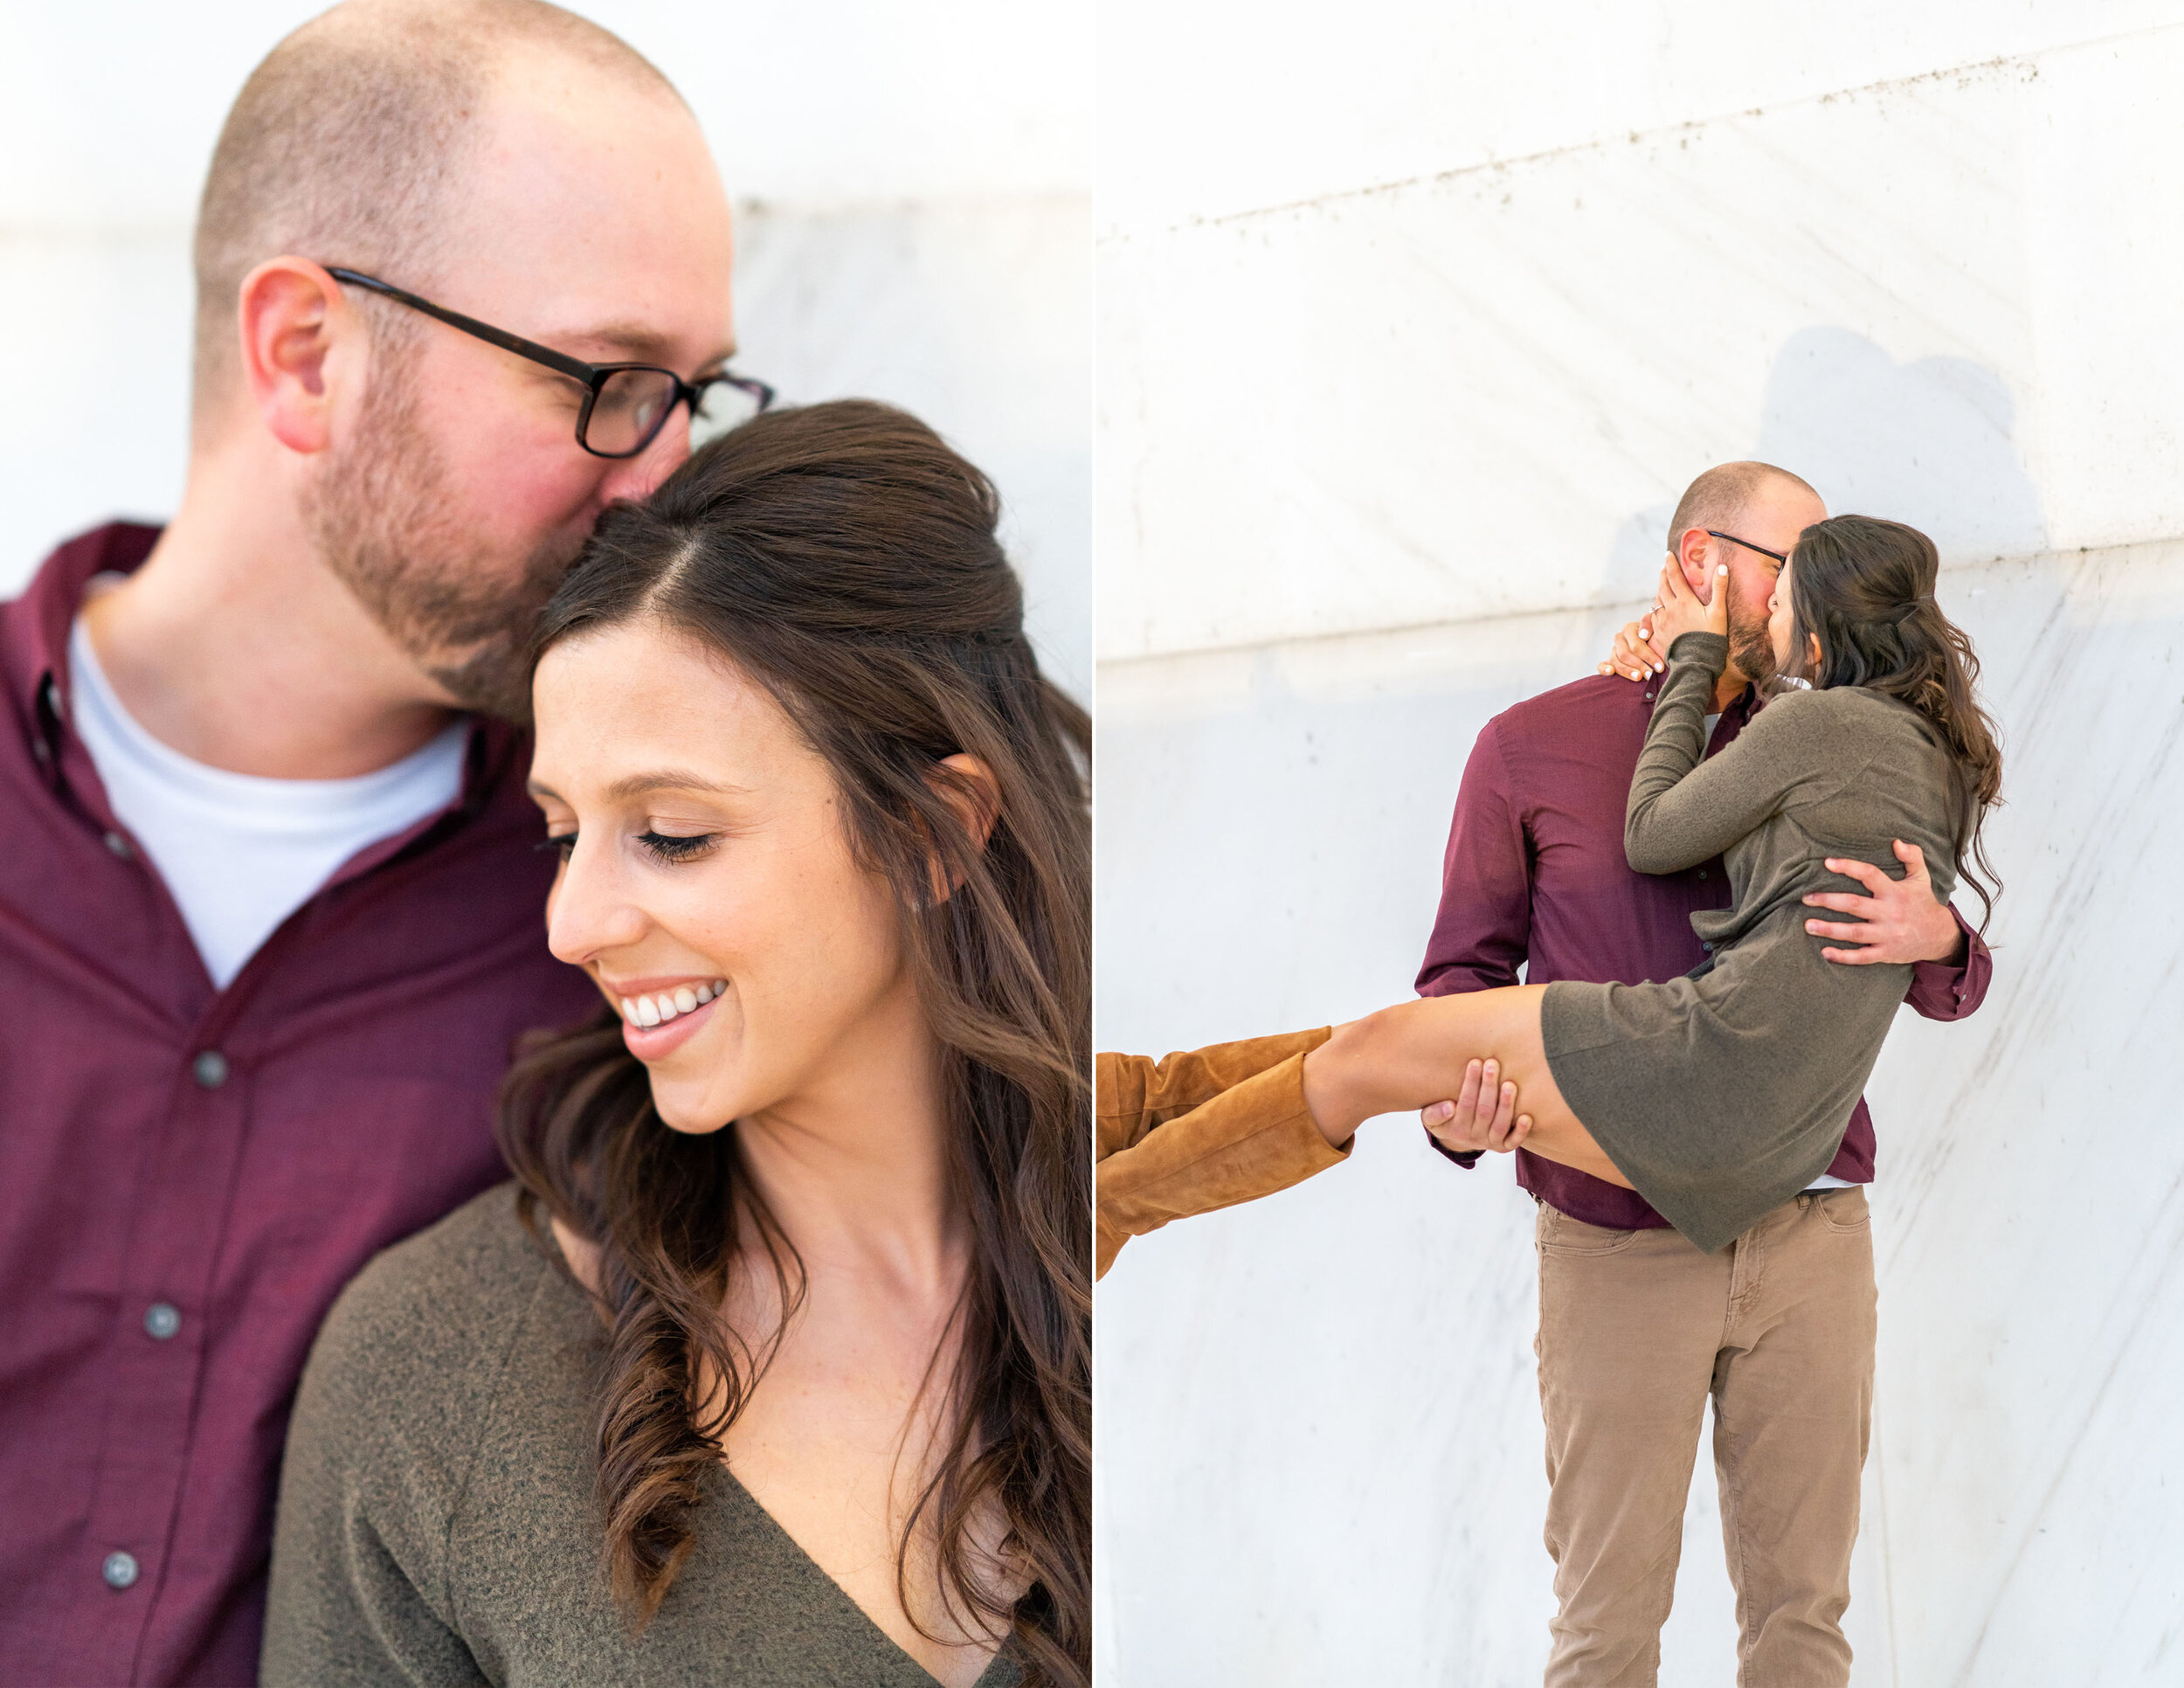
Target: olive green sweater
pixel 438 1523
pixel 1722 1095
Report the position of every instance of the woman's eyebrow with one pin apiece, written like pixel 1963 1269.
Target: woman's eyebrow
pixel 668 780
pixel 637 785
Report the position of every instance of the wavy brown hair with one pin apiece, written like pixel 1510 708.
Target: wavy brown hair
pixel 843 556
pixel 1865 588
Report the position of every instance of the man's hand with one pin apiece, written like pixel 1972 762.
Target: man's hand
pixel 1481 1117
pixel 1634 657
pixel 1899 922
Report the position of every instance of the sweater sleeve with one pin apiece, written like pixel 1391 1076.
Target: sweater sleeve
pixel 1684 810
pixel 358 1597
pixel 1201 1130
pixel 1133 1094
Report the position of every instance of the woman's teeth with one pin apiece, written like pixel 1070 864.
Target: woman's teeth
pixel 663 1006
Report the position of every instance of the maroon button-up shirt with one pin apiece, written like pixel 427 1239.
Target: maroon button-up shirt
pixel 187 1176
pixel 1535 877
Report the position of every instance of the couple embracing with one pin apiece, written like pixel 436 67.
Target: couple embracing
pixel 741 1332
pixel 1720 866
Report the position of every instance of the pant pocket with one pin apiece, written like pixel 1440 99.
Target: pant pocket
pixel 1572 1239
pixel 1845 1210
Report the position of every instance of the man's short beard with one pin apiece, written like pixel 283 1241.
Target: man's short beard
pixel 382 519
pixel 1750 642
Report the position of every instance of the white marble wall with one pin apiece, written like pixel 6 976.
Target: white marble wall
pixel 915 196
pixel 1405 355
pixel 1947 296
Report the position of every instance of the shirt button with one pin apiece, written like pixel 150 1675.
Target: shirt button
pixel 119 846
pixel 119 1570
pixel 211 1069
pixel 162 1320
pixel 40 752
pixel 1702 873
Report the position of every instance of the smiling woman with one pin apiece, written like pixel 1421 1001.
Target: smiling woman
pixel 776 1362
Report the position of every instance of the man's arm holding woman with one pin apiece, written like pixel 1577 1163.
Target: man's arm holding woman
pixel 1900 920
pixel 1482 930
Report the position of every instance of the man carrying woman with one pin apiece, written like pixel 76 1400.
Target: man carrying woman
pixel 1638 1327
pixel 1729 1097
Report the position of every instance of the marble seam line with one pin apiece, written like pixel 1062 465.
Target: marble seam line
pixel 1633 137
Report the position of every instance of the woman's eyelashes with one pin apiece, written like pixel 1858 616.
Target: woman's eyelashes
pixel 676 846
pixel 666 846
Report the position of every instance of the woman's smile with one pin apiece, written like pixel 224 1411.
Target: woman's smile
pixel 645 734
pixel 661 1014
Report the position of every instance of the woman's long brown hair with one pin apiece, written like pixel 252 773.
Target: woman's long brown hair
pixel 846 559
pixel 1865 588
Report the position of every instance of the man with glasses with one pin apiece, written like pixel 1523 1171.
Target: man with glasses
pixel 1637 1329
pixel 271 904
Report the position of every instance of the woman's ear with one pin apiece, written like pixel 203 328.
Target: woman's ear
pixel 970 789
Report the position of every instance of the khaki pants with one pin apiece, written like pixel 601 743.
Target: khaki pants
pixel 1636 1330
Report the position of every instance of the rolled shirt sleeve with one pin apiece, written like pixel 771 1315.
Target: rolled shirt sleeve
pixel 1952 989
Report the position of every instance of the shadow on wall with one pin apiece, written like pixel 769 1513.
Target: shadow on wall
pixel 1927 442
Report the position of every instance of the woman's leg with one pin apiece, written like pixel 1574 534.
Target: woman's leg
pixel 1404 1058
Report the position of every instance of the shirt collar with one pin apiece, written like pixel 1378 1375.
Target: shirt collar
pixel 34 633
pixel 1740 709
pixel 40 621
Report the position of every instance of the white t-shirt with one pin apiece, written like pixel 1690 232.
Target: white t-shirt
pixel 1826 1180
pixel 241 854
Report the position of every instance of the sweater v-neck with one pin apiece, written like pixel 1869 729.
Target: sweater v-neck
pixel 447 1415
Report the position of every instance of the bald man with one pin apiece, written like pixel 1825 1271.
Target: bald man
pixel 1637 1328
pixel 269 901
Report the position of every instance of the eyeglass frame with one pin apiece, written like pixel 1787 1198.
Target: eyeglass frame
pixel 1782 557
pixel 593 376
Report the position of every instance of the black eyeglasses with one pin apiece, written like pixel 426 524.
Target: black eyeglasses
pixel 1779 557
pixel 625 406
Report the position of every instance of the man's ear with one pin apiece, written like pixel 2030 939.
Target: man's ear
pixel 296 335
pixel 970 789
pixel 1694 555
